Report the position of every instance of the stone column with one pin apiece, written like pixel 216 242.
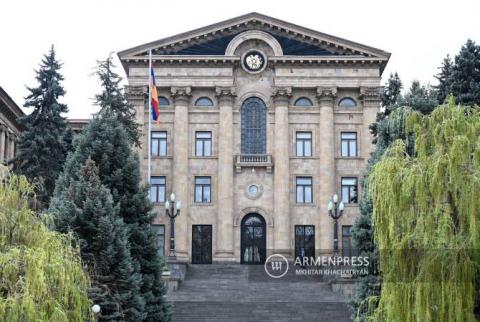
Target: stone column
pixel 281 177
pixel 370 97
pixel 224 227
pixel 326 140
pixel 181 97
pixel 2 144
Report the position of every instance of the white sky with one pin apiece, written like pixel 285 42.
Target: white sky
pixel 419 34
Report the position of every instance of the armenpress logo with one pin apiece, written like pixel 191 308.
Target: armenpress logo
pixel 276 266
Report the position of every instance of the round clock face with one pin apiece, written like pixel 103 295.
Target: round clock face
pixel 254 61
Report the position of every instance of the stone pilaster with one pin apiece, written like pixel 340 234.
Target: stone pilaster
pixel 281 177
pixel 181 97
pixel 326 100
pixel 370 97
pixel 138 96
pixel 224 229
pixel 2 143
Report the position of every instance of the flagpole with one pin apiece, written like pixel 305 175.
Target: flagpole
pixel 149 171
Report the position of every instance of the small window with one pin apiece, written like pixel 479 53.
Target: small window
pixel 203 189
pixel 349 190
pixel 159 231
pixel 204 101
pixel 349 144
pixel 304 190
pixel 303 101
pixel 159 143
pixel 304 144
pixel 203 144
pixel 163 101
pixel 347 102
pixel 157 189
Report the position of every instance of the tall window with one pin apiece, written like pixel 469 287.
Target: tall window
pixel 203 144
pixel 157 189
pixel 347 246
pixel 254 126
pixel 349 190
pixel 304 190
pixel 159 143
pixel 203 189
pixel 159 231
pixel 349 144
pixel 304 144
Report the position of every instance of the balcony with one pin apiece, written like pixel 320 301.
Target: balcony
pixel 253 161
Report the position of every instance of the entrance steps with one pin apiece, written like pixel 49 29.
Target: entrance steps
pixel 234 292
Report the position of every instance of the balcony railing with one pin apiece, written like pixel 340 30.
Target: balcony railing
pixel 254 161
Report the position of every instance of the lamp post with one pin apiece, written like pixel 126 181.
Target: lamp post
pixel 335 210
pixel 172 209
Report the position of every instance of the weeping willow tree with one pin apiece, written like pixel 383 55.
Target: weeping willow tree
pixel 426 213
pixel 41 275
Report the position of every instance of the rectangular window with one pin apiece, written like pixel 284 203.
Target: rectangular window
pixel 159 143
pixel 304 144
pixel 157 189
pixel 349 144
pixel 203 189
pixel 304 190
pixel 349 190
pixel 203 144
pixel 347 246
pixel 159 231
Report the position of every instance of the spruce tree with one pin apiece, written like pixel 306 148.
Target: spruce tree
pixel 87 209
pixel 465 77
pixel 420 97
pixel 444 77
pixel 43 146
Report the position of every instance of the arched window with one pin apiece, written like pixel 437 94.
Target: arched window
pixel 203 101
pixel 347 102
pixel 163 101
pixel 303 101
pixel 254 126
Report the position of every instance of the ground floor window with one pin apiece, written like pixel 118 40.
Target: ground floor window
pixel 201 244
pixel 160 238
pixel 347 246
pixel 304 241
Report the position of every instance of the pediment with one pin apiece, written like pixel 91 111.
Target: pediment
pixel 294 40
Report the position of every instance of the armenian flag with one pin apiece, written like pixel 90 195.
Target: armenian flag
pixel 154 97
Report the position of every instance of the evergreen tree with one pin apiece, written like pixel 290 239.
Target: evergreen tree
pixel 43 146
pixel 444 77
pixel 41 275
pixel 113 101
pixel 106 142
pixel 421 98
pixel 87 209
pixel 465 76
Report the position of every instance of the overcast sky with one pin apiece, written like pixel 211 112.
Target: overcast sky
pixel 419 34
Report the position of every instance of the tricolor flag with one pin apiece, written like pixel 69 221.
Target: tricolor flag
pixel 154 97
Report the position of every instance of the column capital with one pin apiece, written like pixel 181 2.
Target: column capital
pixel 136 92
pixel 181 94
pixel 281 94
pixel 326 94
pixel 370 94
pixel 225 93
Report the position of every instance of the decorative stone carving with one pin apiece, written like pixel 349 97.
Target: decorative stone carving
pixel 326 94
pixel 136 92
pixel 281 95
pixel 181 93
pixel 370 94
pixel 225 94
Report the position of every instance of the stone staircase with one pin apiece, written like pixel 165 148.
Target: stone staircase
pixel 234 292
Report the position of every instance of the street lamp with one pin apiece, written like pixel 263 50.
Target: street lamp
pixel 173 210
pixel 335 210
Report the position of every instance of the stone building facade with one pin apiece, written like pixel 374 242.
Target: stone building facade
pixel 9 126
pixel 261 122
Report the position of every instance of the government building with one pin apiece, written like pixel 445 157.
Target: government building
pixel 10 128
pixel 261 122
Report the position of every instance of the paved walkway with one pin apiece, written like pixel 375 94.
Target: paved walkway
pixel 234 292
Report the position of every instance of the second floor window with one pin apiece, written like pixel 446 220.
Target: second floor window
pixel 159 143
pixel 203 189
pixel 349 190
pixel 157 189
pixel 304 190
pixel 304 144
pixel 349 144
pixel 203 144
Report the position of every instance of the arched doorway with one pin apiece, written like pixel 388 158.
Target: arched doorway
pixel 253 239
pixel 254 126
